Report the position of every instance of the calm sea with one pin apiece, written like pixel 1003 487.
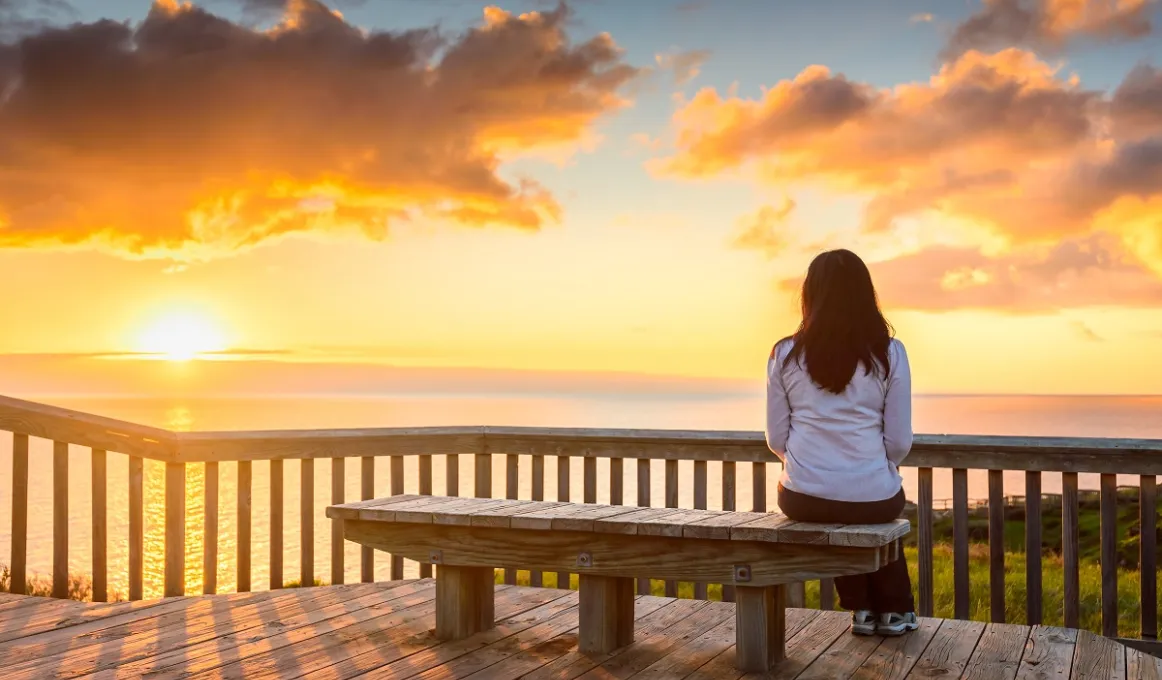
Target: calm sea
pixel 1137 417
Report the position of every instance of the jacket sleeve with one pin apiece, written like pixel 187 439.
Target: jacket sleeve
pixel 778 406
pixel 898 406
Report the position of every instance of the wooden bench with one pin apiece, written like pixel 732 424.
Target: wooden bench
pixel 610 546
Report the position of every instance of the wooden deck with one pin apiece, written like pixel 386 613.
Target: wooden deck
pixel 383 630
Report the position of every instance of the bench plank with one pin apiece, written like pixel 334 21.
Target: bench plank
pixel 719 525
pixel 628 523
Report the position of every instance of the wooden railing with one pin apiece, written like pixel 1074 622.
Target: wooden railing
pixel 509 446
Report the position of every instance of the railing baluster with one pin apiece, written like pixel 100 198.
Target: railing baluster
pixel 100 528
pixel 729 500
pixel 536 578
pixel 245 498
pixel 960 542
pixel 1147 553
pixel 307 522
pixel 136 528
pixel 452 474
pixel 671 502
pixel 997 546
pixel 484 474
pixel 511 490
pixel 827 594
pixel 700 589
pixel 924 540
pixel 1109 555
pixel 426 490
pixel 366 493
pixel 1069 541
pixel 589 479
pixel 643 500
pixel 19 575
pixel 1032 548
pixel 276 503
pixel 396 463
pixel 616 481
pixel 60 519
pixel 563 462
pixel 759 484
pixel 210 530
pixel 175 529
pixel 338 493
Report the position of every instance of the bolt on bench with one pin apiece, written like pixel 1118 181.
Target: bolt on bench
pixel 610 546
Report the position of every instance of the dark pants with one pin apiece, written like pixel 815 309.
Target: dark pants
pixel 886 590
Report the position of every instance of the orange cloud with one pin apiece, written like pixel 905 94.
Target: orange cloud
pixel 1049 25
pixel 188 136
pixel 764 230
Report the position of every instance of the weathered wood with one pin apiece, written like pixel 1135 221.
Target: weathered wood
pixel 998 654
pixel 511 491
pixel 1147 554
pixel 136 528
pixel 827 594
pixel 948 654
pixel 896 656
pixel 1142 666
pixel 536 578
pixel 617 481
pixel 700 503
pixel 483 475
pixel 1048 654
pixel 276 507
pixel 960 542
pixel 589 480
pixel 563 489
pixel 996 546
pixel 307 522
pixel 28 418
pixel 796 595
pixel 397 488
pixel 760 627
pixel 60 519
pixel 729 499
pixel 175 529
pixel 1070 553
pixel 671 586
pixel 244 511
pixel 613 554
pixel 643 501
pixel 210 529
pixel 1109 555
pixel 452 474
pixel 759 483
pixel 341 443
pixel 338 493
pixel 1098 657
pixel 843 658
pixel 367 492
pixel 924 541
pixel 1033 600
pixel 18 577
pixel 425 466
pixel 464 601
pixel 605 613
pixel 100 493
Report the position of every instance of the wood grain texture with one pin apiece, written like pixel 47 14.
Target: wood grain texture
pixel 306 522
pixel 1069 547
pixel 1109 555
pixel 1033 594
pixel 1142 666
pixel 367 492
pixel 617 481
pixel 759 484
pixel 1098 657
pixel 19 564
pixel 341 443
pixel 760 627
pixel 83 429
pixel 896 656
pixel 564 466
pixel 395 463
pixel 276 524
pixel 175 529
pixel 949 652
pixel 1147 554
pixel 244 511
pixel 511 491
pixel 338 476
pixel 589 480
pixel 1048 654
pixel 606 613
pixel 100 533
pixel 998 653
pixel 60 519
pixel 136 527
pixel 452 474
pixel 926 599
pixel 464 601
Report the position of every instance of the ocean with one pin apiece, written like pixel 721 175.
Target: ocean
pixel 1080 416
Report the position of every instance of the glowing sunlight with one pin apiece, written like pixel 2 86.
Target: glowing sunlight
pixel 181 336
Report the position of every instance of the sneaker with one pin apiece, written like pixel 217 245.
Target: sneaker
pixel 897 624
pixel 863 622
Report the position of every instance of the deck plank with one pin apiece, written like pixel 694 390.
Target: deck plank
pixel 723 666
pixel 948 653
pixel 1097 657
pixel 843 658
pixel 998 653
pixel 805 647
pixel 896 656
pixel 1142 666
pixel 1048 654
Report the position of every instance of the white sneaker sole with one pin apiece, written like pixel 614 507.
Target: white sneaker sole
pixel 863 629
pixel 896 630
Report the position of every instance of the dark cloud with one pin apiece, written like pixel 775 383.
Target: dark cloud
pixel 1050 25
pixel 1136 106
pixel 189 136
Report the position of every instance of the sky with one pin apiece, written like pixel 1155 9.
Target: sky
pixel 292 188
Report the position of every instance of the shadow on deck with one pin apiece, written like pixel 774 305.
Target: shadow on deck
pixel 384 630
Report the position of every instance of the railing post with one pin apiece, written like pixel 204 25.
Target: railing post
pixel 671 586
pixel 426 490
pixel 367 492
pixel 210 532
pixel 245 484
pixel 337 494
pixel 644 587
pixel 1147 561
pixel 1069 544
pixel 700 503
pixel 1033 548
pixel 396 489
pixel 175 529
pixel 136 528
pixel 536 578
pixel 307 522
pixel 997 545
pixel 18 577
pixel 563 489
pixel 960 542
pixel 1109 555
pixel 60 519
pixel 924 540
pixel 100 527
pixel 729 499
pixel 276 491
pixel 511 491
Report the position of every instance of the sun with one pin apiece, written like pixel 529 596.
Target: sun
pixel 181 336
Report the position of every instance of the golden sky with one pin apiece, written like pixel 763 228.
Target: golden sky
pixel 593 187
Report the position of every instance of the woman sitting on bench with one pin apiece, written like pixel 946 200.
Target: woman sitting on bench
pixel 839 416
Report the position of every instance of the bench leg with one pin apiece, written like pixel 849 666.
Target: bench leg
pixel 606 616
pixel 464 601
pixel 760 627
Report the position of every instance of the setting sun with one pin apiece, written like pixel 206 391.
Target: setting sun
pixel 181 336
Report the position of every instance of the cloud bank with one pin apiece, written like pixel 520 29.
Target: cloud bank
pixel 188 136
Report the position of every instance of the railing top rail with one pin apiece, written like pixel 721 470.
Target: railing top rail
pixel 1065 454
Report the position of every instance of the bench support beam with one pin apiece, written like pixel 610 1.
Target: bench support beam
pixel 606 613
pixel 760 627
pixel 464 601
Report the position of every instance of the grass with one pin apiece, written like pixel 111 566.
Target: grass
pixel 80 587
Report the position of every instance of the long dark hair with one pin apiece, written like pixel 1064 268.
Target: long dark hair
pixel 842 325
